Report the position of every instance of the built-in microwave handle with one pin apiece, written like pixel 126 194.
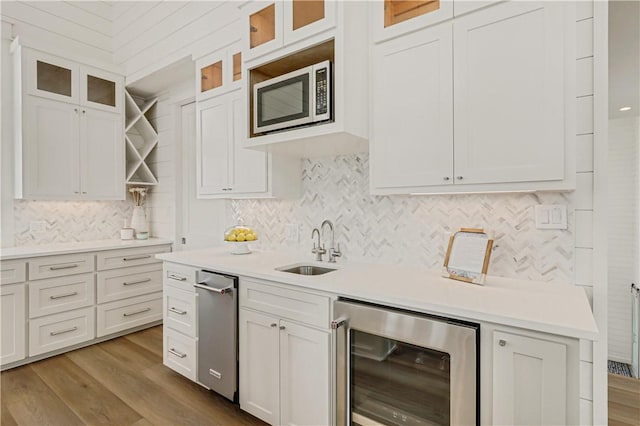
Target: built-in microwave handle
pixel 340 355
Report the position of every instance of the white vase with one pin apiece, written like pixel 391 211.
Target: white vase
pixel 139 220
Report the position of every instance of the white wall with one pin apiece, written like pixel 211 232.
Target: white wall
pixel 624 151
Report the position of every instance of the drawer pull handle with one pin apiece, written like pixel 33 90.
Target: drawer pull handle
pixel 57 268
pixel 61 296
pixel 282 327
pixel 177 311
pixel 146 256
pixel 176 353
pixel 136 313
pixel 69 330
pixel 137 282
pixel 177 277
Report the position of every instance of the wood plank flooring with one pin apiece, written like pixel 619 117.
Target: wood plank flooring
pixel 123 382
pixel 118 382
pixel 624 401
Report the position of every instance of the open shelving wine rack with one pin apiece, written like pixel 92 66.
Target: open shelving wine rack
pixel 141 139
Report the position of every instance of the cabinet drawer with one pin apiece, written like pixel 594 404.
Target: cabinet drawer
pixel 58 266
pixel 124 314
pixel 179 308
pixel 129 257
pixel 61 330
pixel 119 284
pixel 179 276
pixel 60 294
pixel 13 271
pixel 295 305
pixel 179 353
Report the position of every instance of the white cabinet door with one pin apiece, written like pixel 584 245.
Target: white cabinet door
pixel 13 325
pixel 51 77
pixel 304 18
pixel 412 138
pixel 50 150
pixel 212 144
pixel 304 375
pixel 262 27
pixel 101 89
pixel 247 167
pixel 101 155
pixel 509 93
pixel 529 380
pixel 393 18
pixel 259 392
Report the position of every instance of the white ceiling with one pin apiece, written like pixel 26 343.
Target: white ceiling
pixel 624 57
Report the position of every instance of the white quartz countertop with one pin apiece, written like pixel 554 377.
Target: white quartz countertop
pixel 76 247
pixel 561 309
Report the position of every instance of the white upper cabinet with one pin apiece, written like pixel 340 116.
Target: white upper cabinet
pixel 413 134
pixel 270 25
pixel 490 110
pixel 219 72
pixel 69 131
pixel 392 18
pixel 509 85
pixel 225 169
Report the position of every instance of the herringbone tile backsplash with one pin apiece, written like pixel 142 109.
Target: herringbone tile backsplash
pixel 68 221
pixel 411 229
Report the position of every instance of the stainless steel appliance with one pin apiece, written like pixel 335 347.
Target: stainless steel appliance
pixel 301 97
pixel 217 332
pixel 396 367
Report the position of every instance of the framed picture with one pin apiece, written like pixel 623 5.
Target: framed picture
pixel 468 255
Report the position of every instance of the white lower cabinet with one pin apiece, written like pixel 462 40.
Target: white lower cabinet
pixel 13 326
pixel 180 315
pixel 128 313
pixel 284 364
pixel 535 379
pixel 57 331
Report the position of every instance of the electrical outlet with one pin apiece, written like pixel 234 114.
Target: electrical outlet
pixel 551 216
pixel 292 232
pixel 38 226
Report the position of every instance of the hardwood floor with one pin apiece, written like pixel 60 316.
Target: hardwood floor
pixel 123 382
pixel 624 401
pixel 119 382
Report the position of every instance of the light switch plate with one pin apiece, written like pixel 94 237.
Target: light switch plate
pixel 551 216
pixel 292 232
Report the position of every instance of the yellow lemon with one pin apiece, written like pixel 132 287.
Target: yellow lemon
pixel 250 237
pixel 231 237
pixel 240 237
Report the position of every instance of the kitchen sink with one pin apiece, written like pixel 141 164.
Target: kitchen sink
pixel 305 269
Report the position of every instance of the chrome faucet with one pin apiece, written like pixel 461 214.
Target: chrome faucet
pixel 317 250
pixel 333 251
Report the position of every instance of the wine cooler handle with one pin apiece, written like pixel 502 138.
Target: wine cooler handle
pixel 339 334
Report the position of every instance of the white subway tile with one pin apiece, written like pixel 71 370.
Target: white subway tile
pixel 584 153
pixel 586 350
pixel 584 228
pixel 584 38
pixel 584 115
pixel 584 10
pixel 583 196
pixel 586 412
pixel 586 380
pixel 584 76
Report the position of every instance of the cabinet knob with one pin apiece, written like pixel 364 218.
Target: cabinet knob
pixel 274 324
pixel 459 177
pixel 282 327
pixel 502 342
pixel 76 192
pixel 84 111
pixel 75 109
pixel 446 178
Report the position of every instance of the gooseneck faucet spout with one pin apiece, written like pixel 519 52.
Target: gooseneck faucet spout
pixel 317 250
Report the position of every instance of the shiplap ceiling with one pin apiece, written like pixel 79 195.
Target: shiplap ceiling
pixel 624 57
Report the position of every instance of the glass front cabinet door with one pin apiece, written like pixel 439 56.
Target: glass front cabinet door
pixel 219 72
pixel 51 77
pixel 100 89
pixel 392 18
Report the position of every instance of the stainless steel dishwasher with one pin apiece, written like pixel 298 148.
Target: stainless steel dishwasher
pixel 217 332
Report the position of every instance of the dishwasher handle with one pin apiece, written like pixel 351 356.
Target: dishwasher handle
pixel 224 290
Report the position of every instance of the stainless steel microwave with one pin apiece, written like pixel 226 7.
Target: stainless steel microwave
pixel 298 98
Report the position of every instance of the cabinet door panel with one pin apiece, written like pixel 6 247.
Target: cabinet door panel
pixel 102 154
pixel 304 18
pixel 529 380
pixel 13 325
pixel 392 18
pixel 249 167
pixel 101 89
pixel 304 375
pixel 263 27
pixel 412 140
pixel 259 369
pixel 213 121
pixel 509 94
pixel 50 147
pixel 51 77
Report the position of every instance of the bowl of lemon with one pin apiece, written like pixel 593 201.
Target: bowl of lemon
pixel 238 236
